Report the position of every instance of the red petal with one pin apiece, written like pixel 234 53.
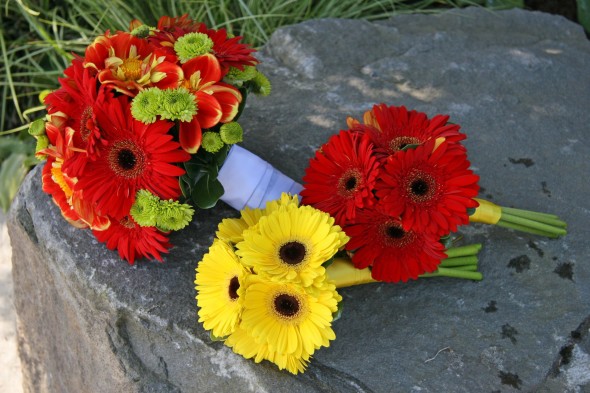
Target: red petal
pixel 190 136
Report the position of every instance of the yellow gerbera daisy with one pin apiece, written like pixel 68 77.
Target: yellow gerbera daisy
pixel 287 318
pixel 231 229
pixel 219 282
pixel 244 344
pixel 291 243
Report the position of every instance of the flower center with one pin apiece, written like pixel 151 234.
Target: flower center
pixel 234 285
pixel 397 144
pixel 126 222
pixel 58 177
pixel 86 123
pixel 349 182
pixel 126 159
pixel 131 68
pixel 393 235
pixel 421 186
pixel 286 306
pixel 292 253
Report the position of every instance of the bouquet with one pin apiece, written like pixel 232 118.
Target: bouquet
pixel 380 202
pixel 131 133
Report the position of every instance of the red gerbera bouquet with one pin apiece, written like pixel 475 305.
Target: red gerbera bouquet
pixel 399 184
pixel 136 125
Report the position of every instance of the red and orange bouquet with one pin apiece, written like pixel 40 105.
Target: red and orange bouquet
pixel 136 121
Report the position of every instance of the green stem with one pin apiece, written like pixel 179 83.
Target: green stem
pixel 462 251
pixel 549 219
pixel 522 228
pixel 455 273
pixel 525 222
pixel 459 261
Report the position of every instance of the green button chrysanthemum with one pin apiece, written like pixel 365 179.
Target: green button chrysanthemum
pixel 145 209
pixel 231 133
pixel 142 31
pixel 146 105
pixel 192 45
pixel 211 142
pixel 173 216
pixel 261 84
pixel 178 104
pixel 235 74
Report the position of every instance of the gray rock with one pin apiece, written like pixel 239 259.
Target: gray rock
pixel 516 81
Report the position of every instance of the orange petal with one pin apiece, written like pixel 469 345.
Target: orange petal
pixel 172 75
pixel 229 98
pixel 209 111
pixel 207 65
pixel 190 136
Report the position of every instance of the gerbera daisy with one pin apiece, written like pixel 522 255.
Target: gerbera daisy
pixel 219 282
pixel 340 178
pixel 430 190
pixel 380 241
pixel 287 318
pixel 136 156
pixel 230 52
pixel 217 102
pixel 60 186
pixel 76 99
pixel 128 64
pixel 392 128
pixel 244 344
pixel 231 230
pixel 292 244
pixel 133 241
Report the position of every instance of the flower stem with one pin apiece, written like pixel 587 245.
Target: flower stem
pixel 526 225
pixel 462 251
pixel 455 273
pixel 459 261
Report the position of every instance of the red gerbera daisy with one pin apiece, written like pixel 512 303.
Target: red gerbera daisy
pixel 136 156
pixel 76 99
pixel 133 241
pixel 430 190
pixel 340 178
pixel 392 128
pixel 230 52
pixel 378 240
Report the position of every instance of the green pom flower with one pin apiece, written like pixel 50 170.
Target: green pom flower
pixel 37 127
pixel 231 133
pixel 192 45
pixel 42 143
pixel 146 105
pixel 145 210
pixel 142 31
pixel 211 142
pixel 261 84
pixel 235 74
pixel 173 215
pixel 178 104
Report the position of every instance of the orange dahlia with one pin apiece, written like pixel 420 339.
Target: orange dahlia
pixel 395 254
pixel 340 178
pixel 431 189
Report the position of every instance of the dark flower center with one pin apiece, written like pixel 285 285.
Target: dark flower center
pixel 349 182
pixel 126 159
pixel 419 187
pixel 286 305
pixel 395 232
pixel 127 222
pixel 234 285
pixel 292 253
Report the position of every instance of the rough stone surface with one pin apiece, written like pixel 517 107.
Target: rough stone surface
pixel 516 81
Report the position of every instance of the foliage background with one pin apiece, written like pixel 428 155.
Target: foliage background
pixel 38 37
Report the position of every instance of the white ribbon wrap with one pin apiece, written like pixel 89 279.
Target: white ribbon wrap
pixel 250 181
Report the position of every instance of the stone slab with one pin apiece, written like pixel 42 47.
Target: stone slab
pixel 516 81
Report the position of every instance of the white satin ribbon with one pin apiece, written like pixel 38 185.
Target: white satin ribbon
pixel 250 181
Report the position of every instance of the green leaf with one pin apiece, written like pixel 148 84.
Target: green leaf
pixel 409 146
pixel 584 14
pixel 215 338
pixel 328 263
pixel 12 173
pixel 10 145
pixel 470 211
pixel 207 192
pixel 185 185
